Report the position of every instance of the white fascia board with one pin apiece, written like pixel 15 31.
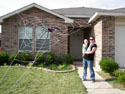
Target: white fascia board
pixel 67 20
pixel 98 14
pixel 94 17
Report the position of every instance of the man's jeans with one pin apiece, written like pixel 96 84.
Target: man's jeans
pixel 90 64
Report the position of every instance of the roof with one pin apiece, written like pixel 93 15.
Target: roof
pixel 78 12
pixel 98 14
pixel 119 10
pixel 67 20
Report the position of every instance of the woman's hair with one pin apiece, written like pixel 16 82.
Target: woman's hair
pixel 92 37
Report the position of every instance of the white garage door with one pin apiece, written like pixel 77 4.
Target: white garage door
pixel 120 45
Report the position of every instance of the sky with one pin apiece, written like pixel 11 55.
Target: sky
pixel 7 6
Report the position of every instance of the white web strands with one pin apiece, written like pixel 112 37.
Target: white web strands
pixel 23 45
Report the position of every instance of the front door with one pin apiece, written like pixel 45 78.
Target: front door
pixel 76 41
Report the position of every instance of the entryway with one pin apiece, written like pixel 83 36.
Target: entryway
pixel 75 42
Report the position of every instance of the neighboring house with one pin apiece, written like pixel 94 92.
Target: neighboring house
pixel 108 27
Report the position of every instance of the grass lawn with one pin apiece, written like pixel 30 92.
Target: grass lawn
pixel 112 80
pixel 40 82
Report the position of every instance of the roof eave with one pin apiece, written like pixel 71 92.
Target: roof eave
pixel 98 14
pixel 67 20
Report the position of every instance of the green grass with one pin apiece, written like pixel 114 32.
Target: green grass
pixel 40 82
pixel 112 80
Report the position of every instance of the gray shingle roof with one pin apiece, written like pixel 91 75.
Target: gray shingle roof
pixel 78 11
pixel 119 10
pixel 86 11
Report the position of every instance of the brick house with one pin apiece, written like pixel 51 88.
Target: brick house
pixel 21 30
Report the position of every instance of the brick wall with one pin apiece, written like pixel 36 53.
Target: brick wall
pixel 97 32
pixel 108 38
pixel 33 17
pixel 103 30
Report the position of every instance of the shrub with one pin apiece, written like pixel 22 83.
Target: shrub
pixel 117 73
pixel 41 65
pixel 59 61
pixel 60 67
pixel 121 78
pixel 30 64
pixel 12 57
pixel 53 67
pixel 4 58
pixel 24 56
pixel 5 64
pixel 39 59
pixel 65 67
pixel 50 59
pixel 120 75
pixel 108 65
pixel 15 64
pixel 69 59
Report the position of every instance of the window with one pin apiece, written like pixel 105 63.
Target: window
pixel 42 39
pixel 25 38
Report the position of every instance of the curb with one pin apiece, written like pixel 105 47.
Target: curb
pixel 45 69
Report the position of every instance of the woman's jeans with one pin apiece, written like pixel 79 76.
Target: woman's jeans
pixel 90 65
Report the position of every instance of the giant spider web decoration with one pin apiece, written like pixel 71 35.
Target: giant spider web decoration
pixel 42 39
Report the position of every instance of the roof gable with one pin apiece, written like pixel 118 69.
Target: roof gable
pixel 67 20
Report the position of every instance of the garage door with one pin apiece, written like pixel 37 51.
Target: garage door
pixel 120 45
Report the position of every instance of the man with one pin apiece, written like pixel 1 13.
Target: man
pixel 88 59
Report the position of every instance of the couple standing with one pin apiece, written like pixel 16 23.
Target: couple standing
pixel 88 52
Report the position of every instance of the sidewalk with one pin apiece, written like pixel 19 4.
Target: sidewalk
pixel 100 86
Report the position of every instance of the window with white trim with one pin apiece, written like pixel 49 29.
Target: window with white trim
pixel 42 39
pixel 25 38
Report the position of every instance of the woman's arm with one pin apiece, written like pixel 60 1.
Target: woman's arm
pixel 91 52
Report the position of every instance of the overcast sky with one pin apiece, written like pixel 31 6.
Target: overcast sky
pixel 7 6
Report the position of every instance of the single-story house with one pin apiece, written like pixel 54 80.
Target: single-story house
pixel 22 30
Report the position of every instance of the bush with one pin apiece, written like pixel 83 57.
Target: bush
pixel 12 57
pixel 53 67
pixel 41 65
pixel 59 61
pixel 5 64
pixel 4 58
pixel 60 67
pixel 117 73
pixel 108 65
pixel 24 56
pixel 121 78
pixel 50 59
pixel 120 75
pixel 65 67
pixel 30 64
pixel 69 59
pixel 39 59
